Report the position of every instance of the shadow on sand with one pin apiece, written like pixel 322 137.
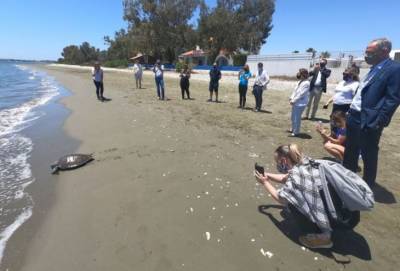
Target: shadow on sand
pixel 261 111
pixel 345 242
pixel 382 195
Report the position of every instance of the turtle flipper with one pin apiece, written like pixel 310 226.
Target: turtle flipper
pixel 54 169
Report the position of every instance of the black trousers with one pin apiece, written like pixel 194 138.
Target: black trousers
pixel 365 141
pixel 99 89
pixel 185 89
pixel 341 107
pixel 242 95
pixel 258 91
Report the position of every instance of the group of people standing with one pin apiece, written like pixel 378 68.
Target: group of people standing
pixel 361 110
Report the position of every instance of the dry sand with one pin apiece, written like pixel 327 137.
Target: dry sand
pixel 168 175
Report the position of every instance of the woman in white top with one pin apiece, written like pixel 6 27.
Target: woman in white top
pixel 299 100
pixel 97 75
pixel 345 91
pixel 137 70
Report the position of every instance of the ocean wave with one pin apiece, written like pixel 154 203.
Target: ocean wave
pixel 15 119
pixel 16 205
pixel 8 231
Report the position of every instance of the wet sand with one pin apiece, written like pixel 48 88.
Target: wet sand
pixel 166 173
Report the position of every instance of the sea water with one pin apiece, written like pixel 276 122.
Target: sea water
pixel 23 92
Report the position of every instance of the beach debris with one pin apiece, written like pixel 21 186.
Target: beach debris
pixel 208 235
pixel 227 206
pixel 191 209
pixel 71 161
pixel 206 193
pixel 211 184
pixel 303 248
pixel 253 155
pixel 205 173
pixel 187 196
pixel 219 240
pixel 221 217
pixel 218 179
pixel 236 204
pixel 164 174
pixel 252 240
pixel 213 208
pixel 266 253
pixel 171 150
pixel 315 258
pixel 198 196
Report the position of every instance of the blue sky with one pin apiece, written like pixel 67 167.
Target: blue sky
pixel 39 29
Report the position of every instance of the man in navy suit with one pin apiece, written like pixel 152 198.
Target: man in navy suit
pixel 373 106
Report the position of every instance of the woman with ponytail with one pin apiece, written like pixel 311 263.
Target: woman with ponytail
pixel 302 193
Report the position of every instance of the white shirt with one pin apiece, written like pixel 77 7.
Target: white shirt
pixel 356 104
pixel 301 93
pixel 318 80
pixel 137 69
pixel 97 75
pixel 344 92
pixel 262 79
pixel 158 71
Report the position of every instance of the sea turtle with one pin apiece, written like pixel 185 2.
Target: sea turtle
pixel 71 161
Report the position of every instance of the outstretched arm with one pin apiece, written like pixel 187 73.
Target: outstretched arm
pixel 269 187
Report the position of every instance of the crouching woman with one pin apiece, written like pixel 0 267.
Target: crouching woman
pixel 302 192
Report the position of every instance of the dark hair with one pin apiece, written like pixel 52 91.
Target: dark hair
pixel 260 64
pixel 303 73
pixel 354 71
pixel 338 115
pixel 291 151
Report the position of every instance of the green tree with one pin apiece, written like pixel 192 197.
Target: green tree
pixel 161 27
pixel 295 52
pixel 72 55
pixel 89 53
pixel 235 25
pixel 311 50
pixel 325 54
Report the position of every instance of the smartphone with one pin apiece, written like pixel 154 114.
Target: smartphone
pixel 259 168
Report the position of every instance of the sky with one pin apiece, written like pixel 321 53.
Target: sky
pixel 40 29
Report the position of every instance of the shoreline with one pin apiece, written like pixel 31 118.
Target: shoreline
pixel 161 167
pixel 48 131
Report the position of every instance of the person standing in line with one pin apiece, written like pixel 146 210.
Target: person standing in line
pixel 260 84
pixel 159 78
pixel 299 100
pixel 184 83
pixel 244 76
pixel 97 75
pixel 373 106
pixel 344 91
pixel 317 86
pixel 215 76
pixel 138 71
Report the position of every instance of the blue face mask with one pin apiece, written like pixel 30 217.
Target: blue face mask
pixel 282 168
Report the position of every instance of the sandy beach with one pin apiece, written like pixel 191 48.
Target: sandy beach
pixel 168 175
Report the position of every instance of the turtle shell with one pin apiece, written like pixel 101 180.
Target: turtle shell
pixel 72 161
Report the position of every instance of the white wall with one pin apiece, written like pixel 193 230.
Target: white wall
pixel 281 65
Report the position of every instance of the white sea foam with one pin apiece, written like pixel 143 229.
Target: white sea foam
pixel 7 232
pixel 15 149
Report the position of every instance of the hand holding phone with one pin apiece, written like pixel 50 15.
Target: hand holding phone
pixel 259 169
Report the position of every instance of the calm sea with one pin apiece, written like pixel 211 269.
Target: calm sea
pixel 23 92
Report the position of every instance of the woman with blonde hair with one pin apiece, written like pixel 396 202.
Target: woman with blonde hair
pixel 302 192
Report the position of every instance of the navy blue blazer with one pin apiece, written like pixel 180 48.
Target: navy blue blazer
pixel 380 97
